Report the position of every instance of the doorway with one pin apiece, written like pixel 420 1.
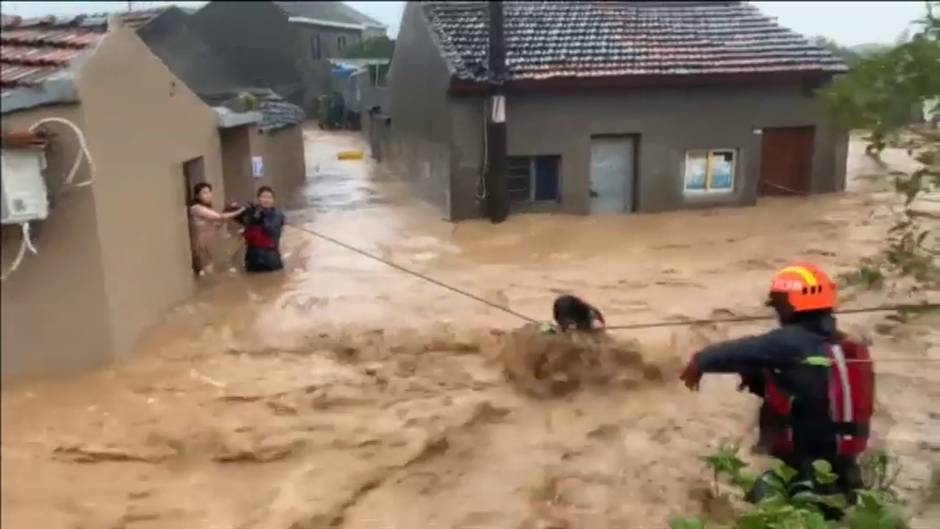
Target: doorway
pixel 786 164
pixel 613 174
pixel 194 171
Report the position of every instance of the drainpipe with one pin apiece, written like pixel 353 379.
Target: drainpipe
pixel 497 189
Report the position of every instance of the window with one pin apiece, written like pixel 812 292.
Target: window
pixel 315 47
pixel 710 171
pixel 340 42
pixel 534 179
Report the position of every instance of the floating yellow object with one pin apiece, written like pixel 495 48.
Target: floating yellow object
pixel 349 155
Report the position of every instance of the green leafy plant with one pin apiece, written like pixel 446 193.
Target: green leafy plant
pixel 374 48
pixel 791 501
pixel 868 276
pixel 880 472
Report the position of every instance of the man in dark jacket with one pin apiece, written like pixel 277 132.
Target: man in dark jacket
pixel 263 235
pixel 789 368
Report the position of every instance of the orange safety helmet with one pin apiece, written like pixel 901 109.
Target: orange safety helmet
pixel 802 287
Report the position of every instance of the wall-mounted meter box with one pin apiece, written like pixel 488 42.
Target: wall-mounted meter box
pixel 24 188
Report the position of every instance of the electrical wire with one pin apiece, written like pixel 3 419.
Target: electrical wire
pixel 26 241
pixel 83 149
pixel 21 253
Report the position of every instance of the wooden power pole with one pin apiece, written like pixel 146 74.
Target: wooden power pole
pixel 497 188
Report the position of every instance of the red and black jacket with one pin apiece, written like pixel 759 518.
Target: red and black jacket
pixel 811 409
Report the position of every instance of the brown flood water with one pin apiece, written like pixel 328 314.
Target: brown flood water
pixel 344 393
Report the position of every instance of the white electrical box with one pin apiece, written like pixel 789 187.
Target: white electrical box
pixel 24 188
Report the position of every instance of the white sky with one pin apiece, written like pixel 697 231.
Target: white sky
pixel 849 23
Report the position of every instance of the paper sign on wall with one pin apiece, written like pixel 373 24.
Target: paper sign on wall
pixel 257 166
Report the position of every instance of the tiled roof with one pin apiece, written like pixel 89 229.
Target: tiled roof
pixel 276 113
pixel 613 39
pixel 32 50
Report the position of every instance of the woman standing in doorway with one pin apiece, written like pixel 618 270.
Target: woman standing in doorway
pixel 205 226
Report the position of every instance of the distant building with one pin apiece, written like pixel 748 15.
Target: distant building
pixel 281 46
pixel 227 46
pixel 614 106
pixel 328 28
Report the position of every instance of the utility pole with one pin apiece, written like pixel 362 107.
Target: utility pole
pixel 497 189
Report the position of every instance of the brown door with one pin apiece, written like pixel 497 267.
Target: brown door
pixel 786 161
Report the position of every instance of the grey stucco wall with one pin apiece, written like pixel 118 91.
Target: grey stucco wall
pixel 329 44
pixel 262 48
pixel 669 121
pixel 419 110
pixel 171 37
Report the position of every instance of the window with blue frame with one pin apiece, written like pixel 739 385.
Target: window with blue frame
pixel 710 171
pixel 534 178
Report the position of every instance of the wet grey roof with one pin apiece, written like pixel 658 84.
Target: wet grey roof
pixel 336 12
pixel 601 39
pixel 227 118
pixel 276 113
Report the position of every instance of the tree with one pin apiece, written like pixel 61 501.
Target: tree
pixel 850 56
pixel 374 48
pixel 877 96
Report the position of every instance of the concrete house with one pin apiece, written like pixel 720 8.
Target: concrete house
pixel 115 254
pixel 614 106
pixel 330 27
pixel 264 147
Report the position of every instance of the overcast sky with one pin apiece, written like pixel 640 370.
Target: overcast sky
pixel 849 23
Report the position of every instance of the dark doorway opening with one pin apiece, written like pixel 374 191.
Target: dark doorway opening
pixel 194 172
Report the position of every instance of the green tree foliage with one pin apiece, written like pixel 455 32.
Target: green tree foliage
pixel 374 48
pixel 850 56
pixel 878 96
pixel 881 90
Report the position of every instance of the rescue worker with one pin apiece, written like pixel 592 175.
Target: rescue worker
pixel 817 384
pixel 263 234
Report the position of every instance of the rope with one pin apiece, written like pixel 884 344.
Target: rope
pixel 648 325
pixel 416 274
pixel 740 319
pixel 785 189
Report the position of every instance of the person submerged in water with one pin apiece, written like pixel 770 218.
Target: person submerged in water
pixel 263 234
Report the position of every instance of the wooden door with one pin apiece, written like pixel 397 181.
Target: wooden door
pixel 786 163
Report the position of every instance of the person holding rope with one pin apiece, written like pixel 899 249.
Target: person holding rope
pixel 263 234
pixel 817 384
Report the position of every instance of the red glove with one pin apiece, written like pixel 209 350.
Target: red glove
pixel 691 376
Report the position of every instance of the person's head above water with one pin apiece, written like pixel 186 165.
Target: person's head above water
pixel 265 197
pixel 202 194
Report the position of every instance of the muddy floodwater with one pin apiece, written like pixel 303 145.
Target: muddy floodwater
pixel 344 393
